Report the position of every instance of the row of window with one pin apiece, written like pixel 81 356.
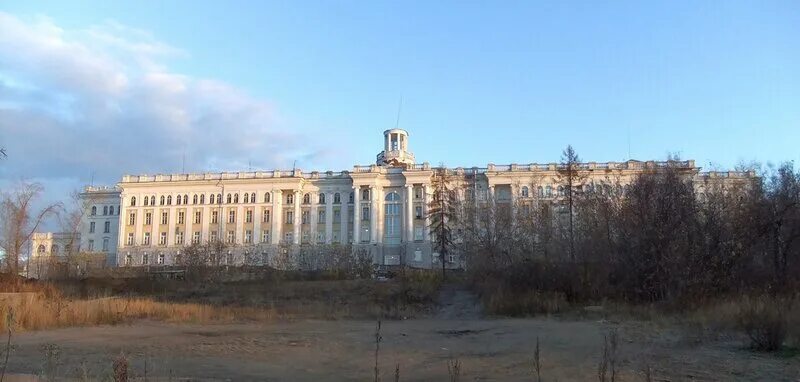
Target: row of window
pixel 106 227
pixel 107 210
pixel 547 191
pixel 161 258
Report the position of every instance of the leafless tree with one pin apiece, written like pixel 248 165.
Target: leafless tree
pixel 19 220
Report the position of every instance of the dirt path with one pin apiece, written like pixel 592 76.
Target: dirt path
pixel 489 350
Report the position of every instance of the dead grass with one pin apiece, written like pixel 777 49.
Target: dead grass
pixel 47 313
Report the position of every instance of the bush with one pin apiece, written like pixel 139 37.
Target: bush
pixel 764 319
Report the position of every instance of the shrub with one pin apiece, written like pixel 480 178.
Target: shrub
pixel 764 320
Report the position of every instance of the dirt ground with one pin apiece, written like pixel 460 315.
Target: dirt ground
pixel 315 350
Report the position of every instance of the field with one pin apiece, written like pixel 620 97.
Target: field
pixel 303 331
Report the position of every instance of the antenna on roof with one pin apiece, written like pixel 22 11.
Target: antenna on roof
pixel 399 109
pixel 183 162
pixel 249 165
pixel 629 141
pixel 91 182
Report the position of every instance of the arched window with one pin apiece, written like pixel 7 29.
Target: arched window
pixel 111 210
pixel 540 191
pixel 146 201
pixel 219 198
pixel 290 199
pixel 337 199
pixel 41 249
pixel 230 198
pixel 169 200
pixel 246 197
pixel 560 190
pixel 94 210
pixel 105 210
pixel 194 199
pixel 352 196
pixel 525 192
pixel 133 201
pixel 185 199
pixel 162 200
pixel 392 211
pixel 307 198
pixel 54 250
pixel 365 194
pixel 236 198
pixel 178 200
pixel 202 198
pixel 266 197
pixel 152 200
pixel 321 198
pixel 211 199
pixel 548 191
pixel 252 197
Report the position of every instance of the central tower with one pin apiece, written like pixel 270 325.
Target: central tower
pixel 395 149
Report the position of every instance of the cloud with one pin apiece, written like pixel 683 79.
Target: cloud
pixel 103 101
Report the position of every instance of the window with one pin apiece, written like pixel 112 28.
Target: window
pixel 252 197
pixel 202 199
pixel 266 216
pixel 179 238
pixel 418 235
pixel 146 240
pixel 232 216
pixel 548 192
pixel 91 246
pixel 525 192
pixel 94 210
pixel 289 237
pixel 130 238
pixel 211 199
pixel 304 217
pixel 178 200
pixel 264 258
pixel 133 201
pixel 417 192
pixel 160 259
pixel 162 200
pixel 164 217
pixel 290 199
pixel 248 216
pixel 306 198
pixel 214 236
pixel 266 197
pixel 105 244
pixel 229 259
pixel 418 212
pixel 321 216
pixel 320 237
pixel 105 210
pixel 236 198
pixel 304 238
pixel 111 210
pixel 169 200
pixel 146 203
pixel 265 236
pixel 337 216
pixel 229 199
pixel 197 217
pixel 152 200
pixel 289 217
pixel 107 227
pixel 365 213
pixel 246 197
pixel 194 199
pixel 91 227
pixel 321 199
pixel 181 217
pixel 145 259
pixel 196 237
pixel 248 237
pixel 185 199
pixel 365 194
pixel 230 237
pixel 162 238
pixel 417 255
pixel 392 211
pixel 337 199
pixel 214 217
pixel 352 195
pixel 148 218
pixel 560 191
pixel 128 259
pixel 540 192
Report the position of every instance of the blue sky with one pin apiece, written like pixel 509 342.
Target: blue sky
pixel 228 85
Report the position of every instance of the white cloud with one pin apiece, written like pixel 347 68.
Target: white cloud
pixel 102 100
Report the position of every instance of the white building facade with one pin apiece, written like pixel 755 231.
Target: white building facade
pixel 381 208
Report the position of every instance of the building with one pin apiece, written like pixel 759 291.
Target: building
pixel 100 222
pixel 50 250
pixel 381 208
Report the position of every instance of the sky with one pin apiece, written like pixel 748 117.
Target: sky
pixel 92 90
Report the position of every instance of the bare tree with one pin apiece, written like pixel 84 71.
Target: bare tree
pixel 443 215
pixel 570 174
pixel 19 220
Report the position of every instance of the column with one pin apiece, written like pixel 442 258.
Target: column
pixel 343 216
pixel 328 218
pixel 492 209
pixel 426 197
pixel 277 217
pixel 172 220
pixel 238 234
pixel 409 216
pixel 297 221
pixel 258 212
pixel 313 219
pixel 373 216
pixel 356 215
pixel 205 221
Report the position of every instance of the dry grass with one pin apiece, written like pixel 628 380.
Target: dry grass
pixel 40 312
